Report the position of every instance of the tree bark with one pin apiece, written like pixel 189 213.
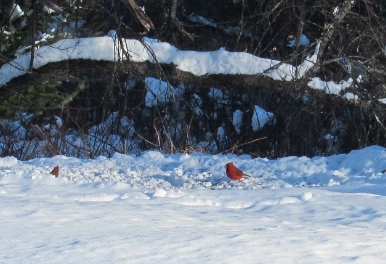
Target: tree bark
pixel 139 14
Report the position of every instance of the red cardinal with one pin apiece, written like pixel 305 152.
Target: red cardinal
pixel 233 172
pixel 55 171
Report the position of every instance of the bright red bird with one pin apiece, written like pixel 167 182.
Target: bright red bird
pixel 234 173
pixel 55 171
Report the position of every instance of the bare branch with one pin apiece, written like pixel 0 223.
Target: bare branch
pixel 139 14
pixel 51 5
pixel 339 16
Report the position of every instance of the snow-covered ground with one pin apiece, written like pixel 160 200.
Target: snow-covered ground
pixel 158 208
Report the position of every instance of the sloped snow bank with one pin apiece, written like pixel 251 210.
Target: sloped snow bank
pixel 154 170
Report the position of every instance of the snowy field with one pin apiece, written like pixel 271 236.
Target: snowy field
pixel 158 208
pixel 182 208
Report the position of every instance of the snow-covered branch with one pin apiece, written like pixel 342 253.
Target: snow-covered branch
pixel 197 63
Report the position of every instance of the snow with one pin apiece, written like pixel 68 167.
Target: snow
pixel 237 120
pixel 220 134
pixel 261 117
pixel 351 96
pixel 197 103
pixel 198 63
pixel 304 42
pixel 157 92
pixel 48 10
pixel 113 34
pixel 159 208
pixel 336 10
pixel 218 95
pixel 58 121
pixel 174 208
pixel 16 12
pixel 330 87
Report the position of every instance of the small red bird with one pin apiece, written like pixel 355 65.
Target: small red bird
pixel 233 172
pixel 55 171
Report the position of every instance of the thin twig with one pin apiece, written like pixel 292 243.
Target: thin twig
pixel 236 146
